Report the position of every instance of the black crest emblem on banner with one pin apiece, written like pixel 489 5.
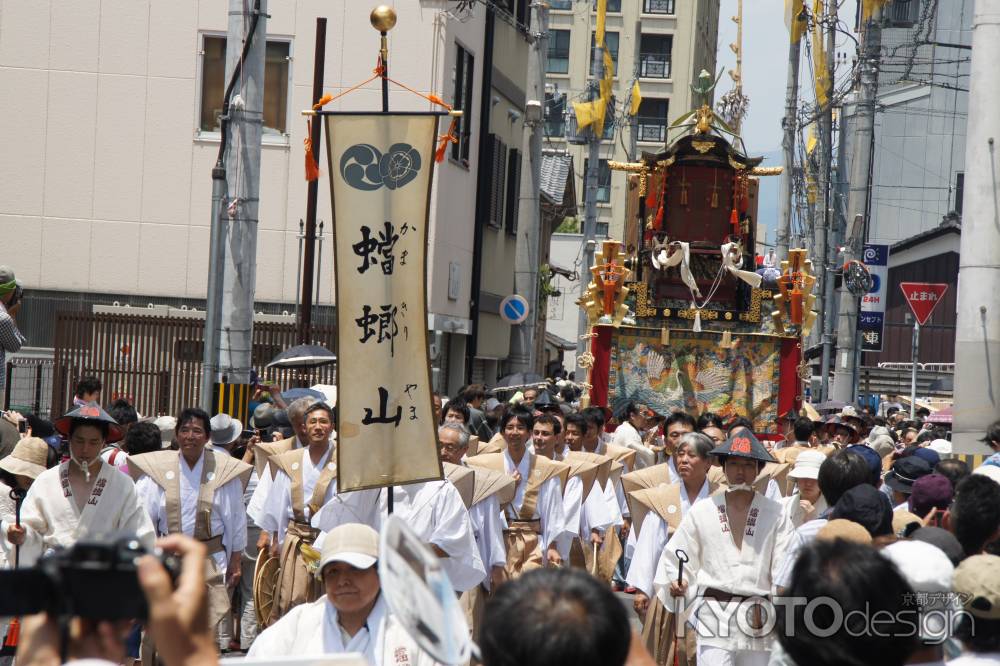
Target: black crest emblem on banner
pixel 365 167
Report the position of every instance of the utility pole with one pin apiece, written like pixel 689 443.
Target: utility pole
pixel 977 330
pixel 243 176
pixel 235 202
pixel 788 126
pixel 821 229
pixel 844 373
pixel 523 346
pixel 589 211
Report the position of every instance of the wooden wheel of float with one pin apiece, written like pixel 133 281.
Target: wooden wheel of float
pixel 265 587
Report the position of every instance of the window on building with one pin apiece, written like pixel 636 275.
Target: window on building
pixel 611 41
pixel 654 56
pixel 658 7
pixel 959 191
pixel 498 167
pixel 513 190
pixel 464 69
pixel 651 123
pixel 603 180
pixel 602 229
pixel 614 6
pixel 557 61
pixel 903 13
pixel 518 9
pixel 555 114
pixel 213 84
pixel 560 4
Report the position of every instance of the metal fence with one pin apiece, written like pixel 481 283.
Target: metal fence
pixel 155 362
pixel 29 385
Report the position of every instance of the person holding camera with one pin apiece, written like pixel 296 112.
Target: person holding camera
pixel 10 302
pixel 82 497
pixel 175 615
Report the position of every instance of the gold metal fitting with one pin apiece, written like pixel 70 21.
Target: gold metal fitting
pixel 383 18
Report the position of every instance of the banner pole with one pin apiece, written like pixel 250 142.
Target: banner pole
pixel 312 195
pixel 383 19
pixel 913 370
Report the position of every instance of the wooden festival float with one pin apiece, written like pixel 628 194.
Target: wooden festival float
pixel 679 317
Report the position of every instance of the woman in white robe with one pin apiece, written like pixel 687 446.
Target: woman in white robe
pixel 351 617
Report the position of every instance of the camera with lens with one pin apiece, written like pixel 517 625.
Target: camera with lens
pixel 92 579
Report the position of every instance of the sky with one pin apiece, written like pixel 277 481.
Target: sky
pixel 765 72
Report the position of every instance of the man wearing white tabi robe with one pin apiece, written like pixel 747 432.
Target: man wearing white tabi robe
pixel 735 542
pixel 434 510
pixel 198 492
pixel 599 511
pixel 656 513
pixel 536 516
pixel 82 498
pixel 484 493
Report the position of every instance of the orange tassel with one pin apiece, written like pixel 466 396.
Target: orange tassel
pixel 795 306
pixel 312 169
pixel 440 102
pixel 323 101
pixel 658 223
pixel 13 633
pixel 445 139
pixel 734 221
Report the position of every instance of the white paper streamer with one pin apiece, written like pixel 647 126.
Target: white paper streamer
pixel 732 256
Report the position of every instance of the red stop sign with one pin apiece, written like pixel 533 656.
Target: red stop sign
pixel 923 297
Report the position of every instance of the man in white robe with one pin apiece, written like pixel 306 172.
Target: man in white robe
pixel 82 498
pixel 198 492
pixel 735 542
pixel 351 616
pixel 536 516
pixel 484 510
pixel 599 511
pixel 437 515
pixel 657 512
pixel 629 435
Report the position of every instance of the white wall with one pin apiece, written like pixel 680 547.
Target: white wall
pixel 563 312
pixel 106 183
pixel 920 131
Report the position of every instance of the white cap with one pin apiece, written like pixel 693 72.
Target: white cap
pixel 929 572
pixel 882 445
pixel 942 446
pixel 991 471
pixel 807 465
pixel 352 543
pixel 167 426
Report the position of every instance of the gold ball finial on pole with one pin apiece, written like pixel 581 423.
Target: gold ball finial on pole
pixel 383 18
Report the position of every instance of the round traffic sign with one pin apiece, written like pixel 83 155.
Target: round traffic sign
pixel 514 309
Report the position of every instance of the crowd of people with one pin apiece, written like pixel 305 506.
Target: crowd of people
pixel 847 539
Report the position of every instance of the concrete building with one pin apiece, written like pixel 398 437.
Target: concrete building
pixel 663 44
pixel 111 111
pixel 919 152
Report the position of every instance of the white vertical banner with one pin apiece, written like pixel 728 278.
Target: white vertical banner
pixel 380 168
pixel 871 318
